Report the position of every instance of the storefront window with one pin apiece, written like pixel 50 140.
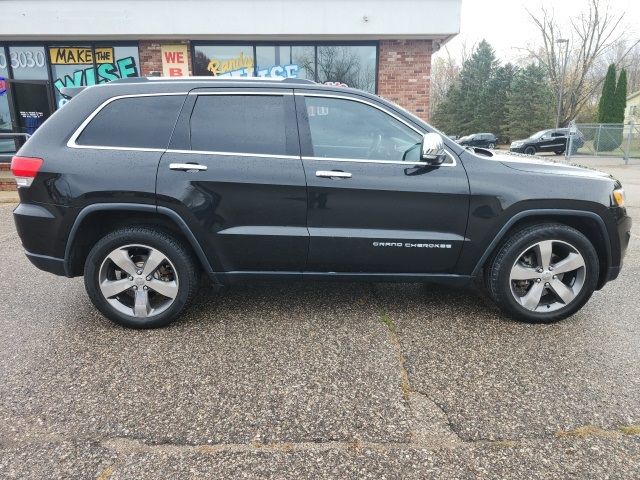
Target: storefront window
pixel 28 63
pixel 348 65
pixel 4 72
pixel 7 145
pixel 286 61
pixel 224 61
pixel 353 66
pixel 77 66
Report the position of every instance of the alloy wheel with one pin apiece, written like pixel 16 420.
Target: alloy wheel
pixel 138 280
pixel 547 276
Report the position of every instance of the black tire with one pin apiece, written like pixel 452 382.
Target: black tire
pixel 491 146
pixel 176 253
pixel 497 273
pixel 558 152
pixel 530 150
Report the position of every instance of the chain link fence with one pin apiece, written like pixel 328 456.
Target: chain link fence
pixel 605 139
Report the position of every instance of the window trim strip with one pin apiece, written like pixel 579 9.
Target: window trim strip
pixel 72 140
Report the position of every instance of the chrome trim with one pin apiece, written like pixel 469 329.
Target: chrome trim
pixel 231 154
pixel 187 166
pixel 72 141
pixel 332 174
pixel 384 110
pixel 388 162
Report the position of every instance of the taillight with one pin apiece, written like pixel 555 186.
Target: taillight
pixel 25 169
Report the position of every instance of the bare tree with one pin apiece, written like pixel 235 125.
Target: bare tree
pixel 591 34
pixel 444 72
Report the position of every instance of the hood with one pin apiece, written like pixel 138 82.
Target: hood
pixel 528 163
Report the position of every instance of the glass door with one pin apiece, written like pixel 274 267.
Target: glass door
pixel 32 105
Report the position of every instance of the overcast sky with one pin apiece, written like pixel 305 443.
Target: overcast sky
pixel 505 23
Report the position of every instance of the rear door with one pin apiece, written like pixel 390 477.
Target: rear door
pixel 233 171
pixel 373 206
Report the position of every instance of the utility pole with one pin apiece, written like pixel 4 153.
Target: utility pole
pixel 560 42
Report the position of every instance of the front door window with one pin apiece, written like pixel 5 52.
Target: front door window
pixel 349 129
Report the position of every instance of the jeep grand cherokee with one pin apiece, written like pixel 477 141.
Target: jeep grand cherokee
pixel 140 185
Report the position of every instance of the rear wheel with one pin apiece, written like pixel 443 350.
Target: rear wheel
pixel 558 152
pixel 543 273
pixel 140 277
pixel 491 146
pixel 530 150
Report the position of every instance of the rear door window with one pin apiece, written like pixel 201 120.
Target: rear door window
pixel 134 122
pixel 250 124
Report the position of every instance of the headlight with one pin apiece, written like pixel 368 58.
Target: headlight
pixel 618 197
pixel 516 144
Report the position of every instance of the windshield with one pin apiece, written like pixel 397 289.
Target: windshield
pixel 539 134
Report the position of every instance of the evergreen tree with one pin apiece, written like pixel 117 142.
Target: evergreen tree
pixel 620 101
pixel 499 89
pixel 530 103
pixel 468 106
pixel 606 107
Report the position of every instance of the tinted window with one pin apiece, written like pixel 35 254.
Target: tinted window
pixel 136 122
pixel 349 129
pixel 239 123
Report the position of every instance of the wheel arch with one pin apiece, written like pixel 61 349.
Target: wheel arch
pixel 95 220
pixel 588 223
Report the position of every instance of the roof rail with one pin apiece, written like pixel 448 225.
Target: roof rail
pixel 225 79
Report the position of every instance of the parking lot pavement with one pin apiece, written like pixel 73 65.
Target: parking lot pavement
pixel 317 380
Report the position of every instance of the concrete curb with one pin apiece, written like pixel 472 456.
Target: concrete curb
pixel 9 197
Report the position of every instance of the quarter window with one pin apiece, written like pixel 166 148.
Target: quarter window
pixel 349 129
pixel 135 122
pixel 239 124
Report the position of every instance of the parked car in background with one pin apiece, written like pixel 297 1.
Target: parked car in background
pixel 484 140
pixel 552 140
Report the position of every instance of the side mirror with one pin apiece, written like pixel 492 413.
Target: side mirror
pixel 433 151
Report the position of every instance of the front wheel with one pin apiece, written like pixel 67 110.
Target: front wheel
pixel 543 273
pixel 530 150
pixel 140 277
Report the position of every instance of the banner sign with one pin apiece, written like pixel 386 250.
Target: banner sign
pixel 79 55
pixel 174 61
pixel 3 86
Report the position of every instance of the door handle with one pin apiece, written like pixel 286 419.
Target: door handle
pixel 187 166
pixel 332 174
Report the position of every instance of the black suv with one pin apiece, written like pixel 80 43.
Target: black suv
pixel 553 140
pixel 141 185
pixel 483 140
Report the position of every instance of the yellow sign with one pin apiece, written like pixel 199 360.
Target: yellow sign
pixel 175 61
pixel 80 55
pixel 217 67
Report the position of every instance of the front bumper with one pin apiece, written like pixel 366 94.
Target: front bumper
pixel 623 230
pixel 517 149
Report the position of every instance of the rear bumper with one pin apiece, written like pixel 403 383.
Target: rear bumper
pixel 48 264
pixel 40 228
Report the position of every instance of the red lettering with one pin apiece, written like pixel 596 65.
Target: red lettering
pixel 175 72
pixel 170 57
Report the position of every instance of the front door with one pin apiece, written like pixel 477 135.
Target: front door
pixel 552 142
pixel 233 171
pixel 373 206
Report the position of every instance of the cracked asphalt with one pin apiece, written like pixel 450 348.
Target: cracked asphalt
pixel 319 380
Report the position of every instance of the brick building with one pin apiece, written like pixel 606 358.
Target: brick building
pixel 380 46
